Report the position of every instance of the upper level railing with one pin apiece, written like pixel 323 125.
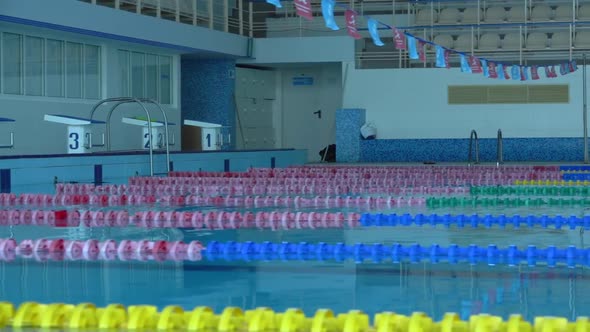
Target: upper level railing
pixel 522 31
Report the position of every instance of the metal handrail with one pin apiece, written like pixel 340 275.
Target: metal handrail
pixel 472 138
pixel 120 101
pixel 11 145
pixel 500 149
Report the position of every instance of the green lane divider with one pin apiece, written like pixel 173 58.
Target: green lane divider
pixel 436 202
pixel 530 191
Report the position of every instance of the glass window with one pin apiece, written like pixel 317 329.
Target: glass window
pixel 91 72
pixel 137 74
pixel 151 79
pixel 165 80
pixel 34 66
pixel 74 70
pixel 54 81
pixel 12 63
pixel 124 72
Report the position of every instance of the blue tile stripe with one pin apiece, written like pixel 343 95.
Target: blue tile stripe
pixel 226 165
pixel 273 162
pixel 171 166
pixel 5 181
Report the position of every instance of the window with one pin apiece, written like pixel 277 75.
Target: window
pixel 145 75
pixel 34 49
pixel 12 63
pixel 54 79
pixel 91 72
pixel 137 74
pixel 36 66
pixel 74 70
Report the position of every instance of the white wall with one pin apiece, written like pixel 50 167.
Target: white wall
pixel 412 103
pixel 33 135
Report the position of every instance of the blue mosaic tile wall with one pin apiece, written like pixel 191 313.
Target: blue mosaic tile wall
pixel 456 150
pixel 351 148
pixel 207 88
pixel 348 140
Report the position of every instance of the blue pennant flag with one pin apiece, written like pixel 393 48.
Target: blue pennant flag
pixel 372 25
pixel 277 3
pixel 465 67
pixel 413 51
pixel 484 66
pixel 328 12
pixel 440 57
pixel 515 72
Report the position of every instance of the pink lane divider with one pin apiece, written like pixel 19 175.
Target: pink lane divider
pixel 92 250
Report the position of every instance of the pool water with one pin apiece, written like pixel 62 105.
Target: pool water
pixel 310 285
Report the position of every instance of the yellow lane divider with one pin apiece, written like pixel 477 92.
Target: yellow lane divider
pixel 84 316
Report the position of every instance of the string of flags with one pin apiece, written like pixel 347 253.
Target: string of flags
pixel 415 46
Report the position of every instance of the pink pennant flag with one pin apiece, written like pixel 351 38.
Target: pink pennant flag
pixel 553 73
pixel 351 24
pixel 400 39
pixel 303 8
pixel 506 75
pixel 475 65
pixel 535 72
pixel 421 51
pixel 492 70
pixel 522 74
pixel 447 62
pixel 548 72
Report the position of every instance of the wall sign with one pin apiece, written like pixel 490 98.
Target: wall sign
pixel 302 81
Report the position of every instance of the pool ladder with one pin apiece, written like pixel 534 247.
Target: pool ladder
pixel 473 139
pixel 499 149
pixel 118 101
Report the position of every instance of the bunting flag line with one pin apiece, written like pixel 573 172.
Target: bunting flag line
pixel 350 16
pixel 303 8
pixel 416 46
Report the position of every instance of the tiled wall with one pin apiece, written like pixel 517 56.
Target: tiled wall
pixel 207 90
pixel 351 148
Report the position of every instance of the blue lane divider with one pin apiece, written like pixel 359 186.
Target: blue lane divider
pixel 491 255
pixel 474 220
pixel 576 176
pixel 576 168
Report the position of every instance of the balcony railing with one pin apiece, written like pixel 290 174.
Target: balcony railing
pixel 520 31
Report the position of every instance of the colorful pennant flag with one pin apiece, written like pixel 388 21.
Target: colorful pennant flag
pixel 485 68
pixel 553 73
pixel 515 72
pixel 475 65
pixel 372 25
pixel 413 52
pixel 400 39
pixel 501 72
pixel 523 73
pixel 535 73
pixel 303 8
pixel 328 13
pixel 563 69
pixel 465 67
pixel 573 66
pixel 447 55
pixel 421 51
pixel 277 3
pixel 492 70
pixel 350 16
pixel 440 57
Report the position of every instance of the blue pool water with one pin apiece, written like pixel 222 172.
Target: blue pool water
pixel 341 286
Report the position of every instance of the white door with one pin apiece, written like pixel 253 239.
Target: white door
pixel 310 98
pixel 255 95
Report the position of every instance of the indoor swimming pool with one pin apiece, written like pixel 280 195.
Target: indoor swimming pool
pixel 436 239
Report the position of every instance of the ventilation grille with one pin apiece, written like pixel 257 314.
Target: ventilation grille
pixel 508 94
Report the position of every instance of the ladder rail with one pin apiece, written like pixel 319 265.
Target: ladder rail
pixel 473 139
